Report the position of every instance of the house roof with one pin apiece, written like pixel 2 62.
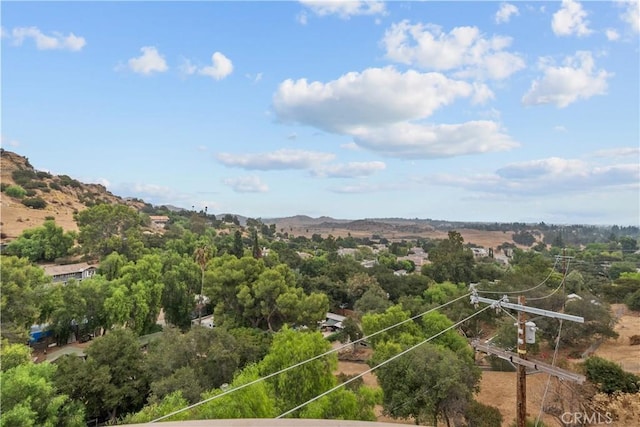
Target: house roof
pixel 56 270
pixel 159 218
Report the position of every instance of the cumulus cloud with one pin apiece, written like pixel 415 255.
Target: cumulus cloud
pixel 275 160
pixel 570 19
pixel 505 12
pixel 562 85
pixel 344 8
pixel 631 15
pixel 246 184
pixel 349 170
pixel 463 50
pixel 46 42
pixel 408 140
pixel 220 67
pixel 151 61
pixel 374 97
pixel 548 176
pixel 612 34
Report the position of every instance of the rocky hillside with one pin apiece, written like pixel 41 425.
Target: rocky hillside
pixel 44 196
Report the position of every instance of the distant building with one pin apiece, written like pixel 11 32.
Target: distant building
pixel 64 273
pixel 333 322
pixel 479 252
pixel 369 263
pixel 159 220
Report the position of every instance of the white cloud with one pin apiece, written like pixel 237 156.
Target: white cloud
pixel 562 85
pixel 408 140
pixel 221 67
pixel 374 97
pixel 351 146
pixel 187 67
pixel 275 160
pixel 368 188
pixel 631 14
pixel 623 152
pixel 4 141
pixel 548 176
pixel 46 42
pixel 559 128
pixel 246 184
pixel 612 35
pixel 344 8
pixel 463 50
pixel 301 18
pixel 505 12
pixel 349 170
pixel 149 62
pixel 570 19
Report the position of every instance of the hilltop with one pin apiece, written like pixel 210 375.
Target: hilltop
pixel 62 196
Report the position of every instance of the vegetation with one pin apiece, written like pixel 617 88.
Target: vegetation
pixel 34 202
pixel 267 305
pixel 15 191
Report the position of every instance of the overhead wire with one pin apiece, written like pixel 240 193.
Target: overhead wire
pixel 240 387
pixel 560 285
pixel 525 290
pixel 284 414
pixel 553 362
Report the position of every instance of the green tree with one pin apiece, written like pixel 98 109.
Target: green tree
pixel 45 243
pixel 298 385
pixel 105 228
pixel 112 380
pixel 480 415
pixel 451 261
pixel 22 291
pixel 238 247
pixel 12 355
pixel 409 333
pixel 610 377
pixel 30 398
pixel 182 281
pixel 428 383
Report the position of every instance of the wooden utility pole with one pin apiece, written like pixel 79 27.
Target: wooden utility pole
pixel 521 383
pixel 521 357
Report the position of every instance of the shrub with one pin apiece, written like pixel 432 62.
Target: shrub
pixel 23 176
pixel 15 191
pixel 43 174
pixel 30 192
pixel 480 415
pixel 633 301
pixel 35 203
pixel 3 186
pixel 610 377
pixel 55 186
pixel 67 180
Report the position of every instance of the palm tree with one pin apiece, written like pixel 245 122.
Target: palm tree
pixel 202 255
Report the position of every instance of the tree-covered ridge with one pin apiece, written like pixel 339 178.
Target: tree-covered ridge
pixel 268 290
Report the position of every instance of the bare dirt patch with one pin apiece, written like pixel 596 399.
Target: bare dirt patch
pixel 618 350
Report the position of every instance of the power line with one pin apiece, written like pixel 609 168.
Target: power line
pixel 556 289
pixel 240 387
pixel 526 290
pixel 553 362
pixel 379 365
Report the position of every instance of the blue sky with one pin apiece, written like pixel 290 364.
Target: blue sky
pixel 476 111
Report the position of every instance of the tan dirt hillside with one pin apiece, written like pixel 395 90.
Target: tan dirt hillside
pixel 61 204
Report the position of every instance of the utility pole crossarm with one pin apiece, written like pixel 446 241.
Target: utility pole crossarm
pixel 527 309
pixel 539 366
